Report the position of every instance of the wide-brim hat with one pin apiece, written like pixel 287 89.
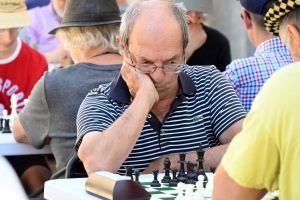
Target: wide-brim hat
pixel 277 12
pixel 205 6
pixel 13 14
pixel 80 13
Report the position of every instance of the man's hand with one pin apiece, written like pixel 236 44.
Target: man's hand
pixel 139 83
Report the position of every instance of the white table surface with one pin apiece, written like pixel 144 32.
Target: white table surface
pixel 9 147
pixel 74 188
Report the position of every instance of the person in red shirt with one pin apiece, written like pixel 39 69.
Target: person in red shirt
pixel 20 68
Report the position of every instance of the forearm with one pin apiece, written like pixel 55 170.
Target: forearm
pixel 107 150
pixel 18 132
pixel 212 157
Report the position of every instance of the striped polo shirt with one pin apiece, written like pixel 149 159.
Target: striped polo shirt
pixel 203 109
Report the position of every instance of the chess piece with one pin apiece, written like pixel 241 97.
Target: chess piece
pixel 128 172
pixel 180 187
pixel 199 185
pixel 166 178
pixel 13 105
pixel 137 174
pixel 6 128
pixel 174 181
pixel 209 186
pixel 181 175
pixel 189 192
pixel 155 182
pixel 191 174
pixel 200 160
pixel 1 125
pixel 212 169
pixel 201 172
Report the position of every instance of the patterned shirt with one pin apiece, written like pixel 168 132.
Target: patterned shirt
pixel 248 75
pixel 204 108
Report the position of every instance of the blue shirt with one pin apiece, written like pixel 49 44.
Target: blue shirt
pixel 248 75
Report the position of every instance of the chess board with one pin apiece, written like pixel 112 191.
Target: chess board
pixel 164 192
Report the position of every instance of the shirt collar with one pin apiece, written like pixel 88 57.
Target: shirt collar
pixel 273 44
pixel 120 92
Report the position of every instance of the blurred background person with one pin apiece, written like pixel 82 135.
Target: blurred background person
pixel 44 19
pixel 88 30
pixel 35 3
pixel 207 46
pixel 20 68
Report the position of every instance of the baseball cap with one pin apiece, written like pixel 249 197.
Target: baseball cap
pixel 277 12
pixel 205 6
pixel 255 6
pixel 13 14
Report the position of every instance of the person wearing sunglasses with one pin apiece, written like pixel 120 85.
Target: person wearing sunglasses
pixel 248 75
pixel 158 106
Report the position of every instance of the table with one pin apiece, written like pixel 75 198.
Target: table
pixel 9 147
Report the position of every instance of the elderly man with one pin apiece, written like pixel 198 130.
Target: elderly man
pixel 207 46
pixel 269 160
pixel 157 107
pixel 248 75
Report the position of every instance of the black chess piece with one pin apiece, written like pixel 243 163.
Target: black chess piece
pixel 191 174
pixel 212 169
pixel 181 175
pixel 155 182
pixel 137 174
pixel 128 172
pixel 166 178
pixel 6 128
pixel 174 181
pixel 1 124
pixel 200 154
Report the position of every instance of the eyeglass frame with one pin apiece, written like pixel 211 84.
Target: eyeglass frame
pixel 14 30
pixel 155 67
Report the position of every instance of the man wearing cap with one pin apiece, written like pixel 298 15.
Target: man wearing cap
pixel 36 35
pixel 247 75
pixel 20 68
pixel 207 46
pixel 158 106
pixel 269 159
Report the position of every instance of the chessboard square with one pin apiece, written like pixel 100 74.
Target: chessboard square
pixel 166 189
pixel 151 189
pixel 163 196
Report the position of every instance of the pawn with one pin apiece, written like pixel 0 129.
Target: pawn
pixel 174 181
pixel 212 169
pixel 155 182
pixel 129 172
pixel 180 187
pixel 6 128
pixel 137 174
pixel 199 192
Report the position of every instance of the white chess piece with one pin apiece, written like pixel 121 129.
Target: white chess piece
pixel 4 114
pixel 209 185
pixel 180 187
pixel 189 192
pixel 13 105
pixel 199 192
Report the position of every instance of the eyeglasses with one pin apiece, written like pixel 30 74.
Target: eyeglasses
pixel 248 15
pixel 150 68
pixel 13 30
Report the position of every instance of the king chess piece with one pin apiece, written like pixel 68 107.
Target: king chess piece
pixel 200 154
pixel 6 128
pixel 166 178
pixel 181 175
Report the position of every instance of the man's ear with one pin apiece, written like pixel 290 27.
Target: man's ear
pixel 119 41
pixel 247 21
pixel 294 34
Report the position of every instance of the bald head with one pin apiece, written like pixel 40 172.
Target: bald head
pixel 156 18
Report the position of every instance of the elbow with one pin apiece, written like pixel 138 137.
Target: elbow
pixel 18 135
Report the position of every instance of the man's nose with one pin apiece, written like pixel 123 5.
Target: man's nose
pixel 7 35
pixel 158 75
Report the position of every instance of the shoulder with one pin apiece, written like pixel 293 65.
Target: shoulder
pixel 215 35
pixel 33 54
pixel 241 64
